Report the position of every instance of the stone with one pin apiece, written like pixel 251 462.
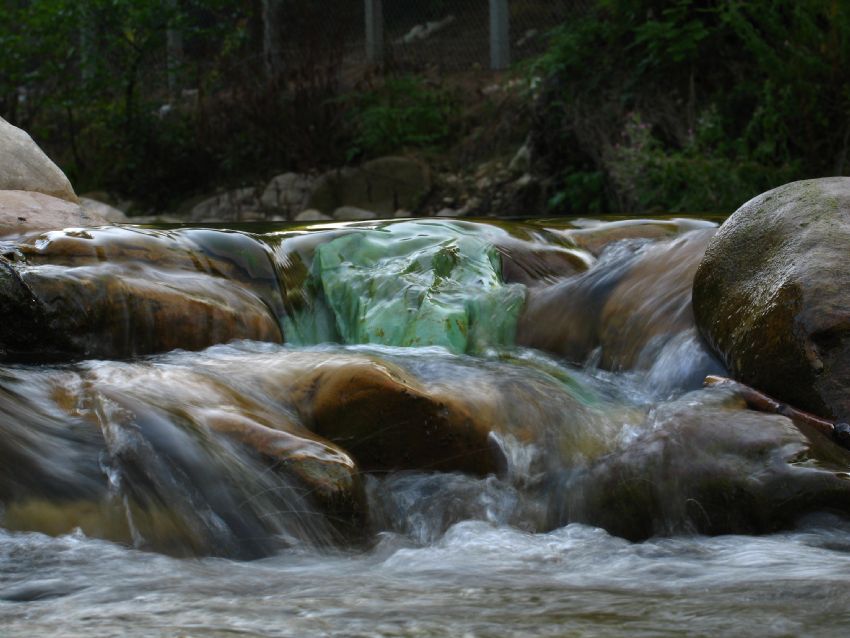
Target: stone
pixel 417 283
pixel 103 210
pixel 627 305
pixel 448 212
pixel 85 293
pixel 706 464
pixel 312 215
pixel 521 161
pixel 289 192
pixel 228 206
pixel 771 295
pixel 382 185
pixel 26 211
pixel 25 167
pixel 352 213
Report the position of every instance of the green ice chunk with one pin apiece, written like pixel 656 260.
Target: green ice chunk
pixel 410 284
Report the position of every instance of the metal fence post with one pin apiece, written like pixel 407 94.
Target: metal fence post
pixel 174 50
pixel 500 43
pixel 374 31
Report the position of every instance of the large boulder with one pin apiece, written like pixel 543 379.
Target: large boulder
pixel 704 463
pixel 25 167
pixel 25 211
pixel 119 292
pixel 771 294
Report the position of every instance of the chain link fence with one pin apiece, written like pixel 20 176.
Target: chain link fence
pixel 440 35
pixel 457 36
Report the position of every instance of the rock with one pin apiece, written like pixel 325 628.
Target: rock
pixel 25 167
pixel 87 293
pixel 312 215
pixel 448 212
pixel 105 211
pixel 382 185
pixel 202 469
pixel 228 206
pixel 771 295
pixel 705 464
pixel 289 192
pixel 26 211
pixel 629 304
pixel 521 162
pixel 417 430
pixel 417 283
pixel 352 213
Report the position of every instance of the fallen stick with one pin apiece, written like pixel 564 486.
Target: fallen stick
pixel 838 432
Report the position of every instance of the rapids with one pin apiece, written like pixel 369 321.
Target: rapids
pixel 418 428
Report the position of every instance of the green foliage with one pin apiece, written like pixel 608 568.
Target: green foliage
pixel 403 113
pixel 693 105
pixel 89 80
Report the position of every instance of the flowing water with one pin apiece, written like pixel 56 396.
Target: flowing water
pixel 468 430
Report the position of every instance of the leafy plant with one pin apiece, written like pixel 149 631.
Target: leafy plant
pixel 403 113
pixel 693 104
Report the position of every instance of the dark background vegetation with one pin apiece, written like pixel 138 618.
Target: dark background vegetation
pixel 632 105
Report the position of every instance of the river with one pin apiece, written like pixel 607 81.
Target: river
pixel 147 495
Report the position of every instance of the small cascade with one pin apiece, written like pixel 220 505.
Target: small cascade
pixel 202 392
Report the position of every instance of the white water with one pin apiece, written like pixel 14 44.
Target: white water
pixel 478 579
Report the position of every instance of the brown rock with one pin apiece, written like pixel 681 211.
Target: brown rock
pixel 771 295
pixel 25 167
pixel 24 212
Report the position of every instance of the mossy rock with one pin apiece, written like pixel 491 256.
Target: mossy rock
pixel 771 294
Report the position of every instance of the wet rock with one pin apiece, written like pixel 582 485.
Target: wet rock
pixel 707 465
pixel 535 263
pixel 382 185
pixel 122 292
pixel 771 298
pixel 24 212
pixel 595 236
pixel 388 422
pixel 628 305
pixel 169 458
pixel 25 167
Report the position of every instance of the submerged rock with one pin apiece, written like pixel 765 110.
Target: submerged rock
pixel 628 305
pixel 171 459
pixel 771 295
pixel 409 284
pixel 705 464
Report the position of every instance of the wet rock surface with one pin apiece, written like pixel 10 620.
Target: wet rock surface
pixel 771 295
pixel 707 465
pixel 121 292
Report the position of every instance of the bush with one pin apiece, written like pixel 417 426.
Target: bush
pixel 693 105
pixel 403 113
